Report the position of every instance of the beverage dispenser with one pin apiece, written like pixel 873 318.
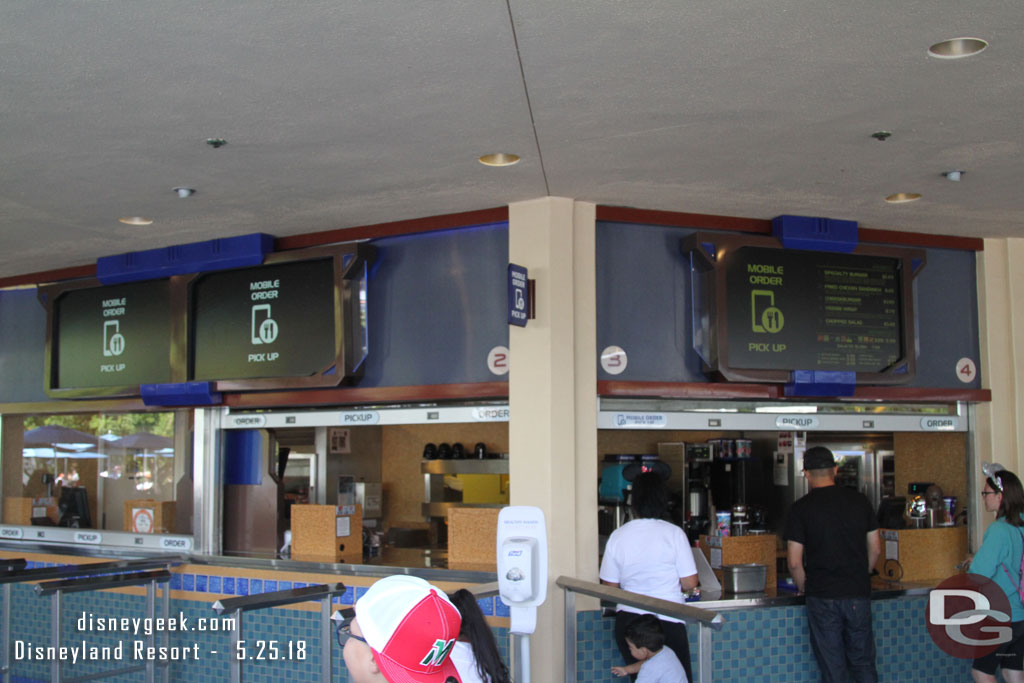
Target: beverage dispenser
pixel 697 515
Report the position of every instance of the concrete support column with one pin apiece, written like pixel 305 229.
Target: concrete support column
pixel 553 401
pixel 999 432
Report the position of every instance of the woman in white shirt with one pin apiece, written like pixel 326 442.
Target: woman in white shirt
pixel 650 556
pixel 475 654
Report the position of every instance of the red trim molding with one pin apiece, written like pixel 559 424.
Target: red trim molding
pixel 625 214
pixel 407 227
pixel 918 239
pixel 921 395
pixel 73 273
pixel 711 390
pixel 672 219
pixel 470 391
pixel 726 390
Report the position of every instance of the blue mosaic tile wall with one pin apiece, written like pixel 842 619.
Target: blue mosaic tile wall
pixel 772 644
pixel 296 632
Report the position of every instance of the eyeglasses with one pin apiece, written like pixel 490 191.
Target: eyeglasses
pixel 989 493
pixel 345 632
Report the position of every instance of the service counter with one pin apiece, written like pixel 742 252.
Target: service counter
pixel 765 638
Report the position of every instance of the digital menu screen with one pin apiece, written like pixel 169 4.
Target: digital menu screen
pixel 808 310
pixel 111 336
pixel 268 321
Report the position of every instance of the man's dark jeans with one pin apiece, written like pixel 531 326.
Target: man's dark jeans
pixel 843 641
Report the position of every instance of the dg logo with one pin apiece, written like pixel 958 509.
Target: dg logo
pixel 968 616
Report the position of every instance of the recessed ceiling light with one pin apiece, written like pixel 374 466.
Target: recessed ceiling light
pixel 499 159
pixel 184 192
pixel 903 197
pixel 957 48
pixel 136 220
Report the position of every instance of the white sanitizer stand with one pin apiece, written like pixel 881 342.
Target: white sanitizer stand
pixel 522 575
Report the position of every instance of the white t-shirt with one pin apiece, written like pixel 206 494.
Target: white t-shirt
pixel 465 663
pixel 648 556
pixel 663 667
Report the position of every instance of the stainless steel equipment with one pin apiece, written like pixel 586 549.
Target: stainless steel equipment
pixel 744 578
pixel 367 494
pixel 858 467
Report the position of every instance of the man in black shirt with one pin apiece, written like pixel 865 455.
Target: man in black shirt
pixel 832 544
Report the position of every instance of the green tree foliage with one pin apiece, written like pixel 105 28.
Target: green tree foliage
pixel 120 424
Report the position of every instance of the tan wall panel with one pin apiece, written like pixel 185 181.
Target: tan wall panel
pixel 402 453
pixel 940 458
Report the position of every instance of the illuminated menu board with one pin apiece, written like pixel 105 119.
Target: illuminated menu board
pixel 761 312
pixel 116 336
pixel 813 310
pixel 269 321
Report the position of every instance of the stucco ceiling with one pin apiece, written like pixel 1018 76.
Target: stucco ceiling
pixel 349 113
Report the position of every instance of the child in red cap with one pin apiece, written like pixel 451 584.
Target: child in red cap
pixel 403 632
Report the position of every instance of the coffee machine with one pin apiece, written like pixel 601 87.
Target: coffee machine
pixel 697 489
pixel 615 485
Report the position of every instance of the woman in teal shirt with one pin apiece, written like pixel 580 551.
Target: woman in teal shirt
pixel 999 559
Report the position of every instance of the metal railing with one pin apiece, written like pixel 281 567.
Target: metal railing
pixel 56 590
pixel 236 607
pixel 706 620
pixel 19 574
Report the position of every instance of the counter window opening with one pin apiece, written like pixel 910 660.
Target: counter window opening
pixel 382 491
pixel 105 471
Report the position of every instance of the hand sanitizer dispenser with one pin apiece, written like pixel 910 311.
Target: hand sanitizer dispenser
pixel 522 564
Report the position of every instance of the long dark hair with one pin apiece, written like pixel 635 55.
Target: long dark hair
pixel 480 636
pixel 649 497
pixel 1012 506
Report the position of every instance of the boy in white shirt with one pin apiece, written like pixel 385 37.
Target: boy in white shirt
pixel 655 662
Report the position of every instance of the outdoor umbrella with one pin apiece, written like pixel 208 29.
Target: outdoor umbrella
pixel 145 441
pixel 56 435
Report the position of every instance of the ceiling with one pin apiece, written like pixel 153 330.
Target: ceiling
pixel 346 113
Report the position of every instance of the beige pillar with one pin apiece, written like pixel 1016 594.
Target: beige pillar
pixel 553 402
pixel 999 433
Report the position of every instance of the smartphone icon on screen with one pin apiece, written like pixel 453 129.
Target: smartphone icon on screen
pixel 113 340
pixel 264 328
pixel 760 300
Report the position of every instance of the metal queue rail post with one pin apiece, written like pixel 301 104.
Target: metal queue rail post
pixel 236 607
pixel 17 573
pixel 706 619
pixel 56 590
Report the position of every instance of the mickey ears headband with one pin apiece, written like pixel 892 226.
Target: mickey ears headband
pixel 992 470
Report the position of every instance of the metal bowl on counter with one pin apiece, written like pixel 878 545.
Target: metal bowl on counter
pixel 744 578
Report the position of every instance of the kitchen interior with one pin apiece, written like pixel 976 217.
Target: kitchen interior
pixel 391 493
pixel 428 495
pixel 730 491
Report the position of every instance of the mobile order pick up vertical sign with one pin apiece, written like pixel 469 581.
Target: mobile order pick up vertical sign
pixel 105 339
pixel 269 321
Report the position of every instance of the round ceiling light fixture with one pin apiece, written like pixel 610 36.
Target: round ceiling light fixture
pixel 903 197
pixel 136 220
pixel 499 159
pixel 957 48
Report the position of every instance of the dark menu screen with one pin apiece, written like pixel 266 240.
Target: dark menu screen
pixel 804 310
pixel 112 336
pixel 269 321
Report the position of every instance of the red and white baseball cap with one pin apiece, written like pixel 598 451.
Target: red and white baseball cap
pixel 411 628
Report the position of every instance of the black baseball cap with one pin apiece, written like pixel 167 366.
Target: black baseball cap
pixel 819 458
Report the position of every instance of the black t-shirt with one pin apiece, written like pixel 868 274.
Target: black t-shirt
pixel 832 523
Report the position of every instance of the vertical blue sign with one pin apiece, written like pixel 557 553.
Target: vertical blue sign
pixel 518 296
